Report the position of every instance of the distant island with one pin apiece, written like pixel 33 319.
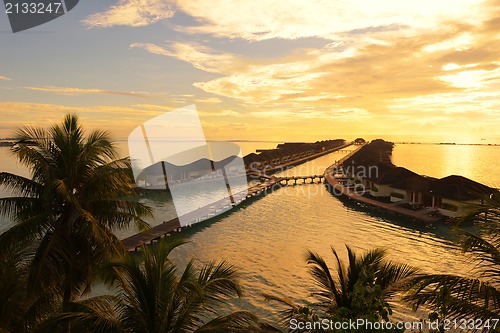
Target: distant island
pixel 446 143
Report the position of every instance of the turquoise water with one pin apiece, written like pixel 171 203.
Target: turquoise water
pixel 267 239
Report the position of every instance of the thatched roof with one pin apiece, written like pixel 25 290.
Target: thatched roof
pixel 459 188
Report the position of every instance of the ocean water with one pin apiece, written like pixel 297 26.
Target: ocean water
pixel 477 162
pixel 267 238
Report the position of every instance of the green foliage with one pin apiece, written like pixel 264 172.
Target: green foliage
pixel 448 206
pixel 153 297
pixel 397 195
pixel 66 210
pixel 474 294
pixel 21 310
pixel 359 290
pixel 368 299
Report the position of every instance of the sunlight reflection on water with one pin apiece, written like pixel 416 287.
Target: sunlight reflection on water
pixel 267 239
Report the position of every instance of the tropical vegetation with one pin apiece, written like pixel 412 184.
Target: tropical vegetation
pixel 66 211
pixel 153 296
pixel 62 242
pixel 359 289
pixel 475 295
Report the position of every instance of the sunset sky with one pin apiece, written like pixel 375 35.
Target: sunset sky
pixel 261 69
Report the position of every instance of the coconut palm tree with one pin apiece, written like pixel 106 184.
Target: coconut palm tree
pixel 77 193
pixel 358 289
pixel 20 310
pixel 152 296
pixel 474 294
pixel 340 295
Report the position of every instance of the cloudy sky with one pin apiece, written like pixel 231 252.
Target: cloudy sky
pixel 262 69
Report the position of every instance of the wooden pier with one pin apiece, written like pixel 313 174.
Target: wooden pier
pixel 269 184
pixel 339 189
pixel 152 235
pixel 286 165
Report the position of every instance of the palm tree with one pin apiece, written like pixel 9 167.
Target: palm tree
pixel 340 295
pixel 21 311
pixel 474 294
pixel 359 289
pixel 152 297
pixel 76 195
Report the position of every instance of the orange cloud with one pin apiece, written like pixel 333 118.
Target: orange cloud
pixel 385 66
pixel 374 75
pixel 78 91
pixel 261 19
pixel 201 57
pixel 134 13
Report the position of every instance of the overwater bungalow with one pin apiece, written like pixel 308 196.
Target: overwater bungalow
pixel 270 157
pixel 370 167
pixel 288 152
pixel 456 195
pixel 159 175
pixel 359 141
pixel 413 189
pixel 386 180
pixel 253 160
pixel 375 171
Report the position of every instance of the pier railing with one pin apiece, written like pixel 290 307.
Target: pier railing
pixel 340 190
pixel 269 184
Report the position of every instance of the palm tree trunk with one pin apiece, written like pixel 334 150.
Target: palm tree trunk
pixel 67 298
pixel 66 328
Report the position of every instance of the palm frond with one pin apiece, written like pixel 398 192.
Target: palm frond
pixel 121 213
pixel 392 276
pixel 323 279
pixel 237 321
pixel 20 185
pixel 466 294
pixel 288 309
pixel 485 250
pixel 66 212
pixel 20 208
pixel 32 149
pixel 18 308
pixel 96 315
pixel 219 281
pixel 29 230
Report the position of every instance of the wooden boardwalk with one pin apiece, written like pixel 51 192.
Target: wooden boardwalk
pixel 149 236
pixel 283 166
pixel 424 215
pixel 269 184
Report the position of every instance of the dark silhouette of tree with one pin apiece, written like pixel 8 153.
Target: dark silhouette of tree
pixel 153 296
pixel 77 193
pixel 474 294
pixel 358 289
